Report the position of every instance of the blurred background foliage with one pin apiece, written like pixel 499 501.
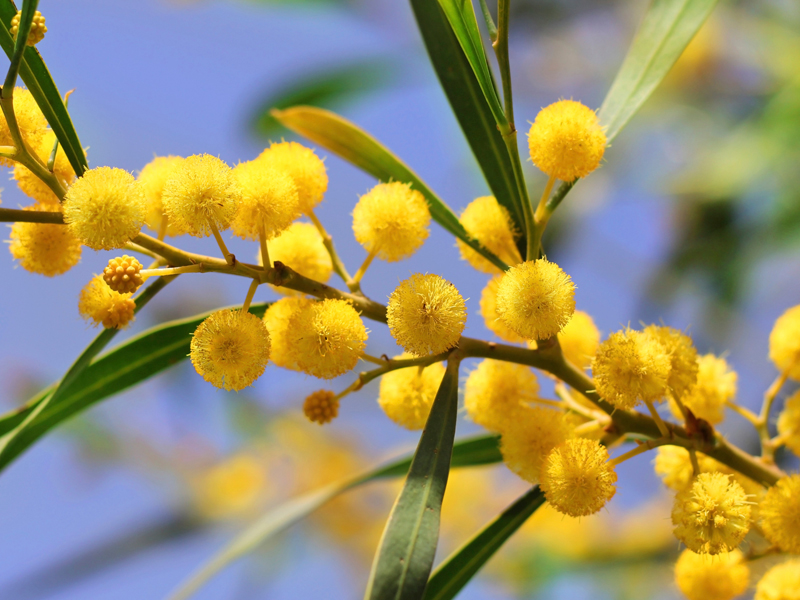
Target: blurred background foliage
pixel 718 146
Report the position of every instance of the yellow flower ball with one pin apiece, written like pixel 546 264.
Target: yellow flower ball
pixel 536 299
pixel 673 464
pixel 566 140
pixel 497 392
pixel 123 274
pixel 577 478
pixel 38 28
pixel 631 366
pixel 491 318
pixel 490 223
pixel 321 407
pixel 327 339
pixel 152 178
pixel 230 349
pixel 31 122
pixel 406 395
pixel 102 305
pixel 200 193
pixel 579 340
pixel 713 515
pixel 269 201
pixel 34 187
pixel 277 318
pixel 426 314
pixel 716 385
pixel 779 512
pixel 781 582
pixel 105 208
pixel 305 168
pixel 682 356
pixel 531 438
pixel 231 488
pixel 705 577
pixel 300 247
pixel 789 423
pixel 392 220
pixel 44 248
pixel 784 343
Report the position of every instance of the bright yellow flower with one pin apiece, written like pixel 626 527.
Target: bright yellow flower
pixel 44 248
pixel 406 395
pixel 716 385
pixel 781 582
pixel 31 122
pixel 277 318
pixel 34 187
pixel 491 318
pixel 784 342
pixel 682 356
pixel 300 247
pixel 705 577
pixel 490 223
pixel 100 304
pixel 789 423
pixel 529 439
pixel 779 513
pixel 269 201
pixel 497 392
pixel 152 178
pixel 122 274
pixel 305 168
pixel 231 488
pixel 579 340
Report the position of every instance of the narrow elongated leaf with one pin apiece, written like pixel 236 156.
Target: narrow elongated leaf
pixel 470 107
pixel 356 146
pixel 136 360
pixel 408 544
pixel 666 30
pixel 37 79
pixel 482 450
pixel 454 573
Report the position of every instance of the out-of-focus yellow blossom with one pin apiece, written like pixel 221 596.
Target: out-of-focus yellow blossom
pixel 31 122
pixel 305 168
pixel 781 582
pixel 682 356
pixel 406 395
pixel 490 223
pixel 152 178
pixel 784 343
pixel 45 248
pixel 233 488
pixel 706 577
pixel 497 392
pixel 789 423
pixel 277 318
pixel 716 385
pixel 779 514
pixel 490 315
pixel 100 304
pixel 579 340
pixel 34 187
pixel 300 247
pixel 528 440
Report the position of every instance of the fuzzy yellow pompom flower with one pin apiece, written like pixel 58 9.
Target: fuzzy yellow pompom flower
pixel 300 247
pixel 200 194
pixel 31 122
pixel 34 187
pixel 303 166
pixel 682 358
pixel 391 220
pixel 100 304
pixel 105 208
pixel 38 28
pixel 406 395
pixel 705 577
pixel 789 423
pixel 152 178
pixel 673 464
pixel 321 407
pixel 327 339
pixel 577 478
pixel 781 582
pixel 713 515
pixel 784 343
pixel 566 140
pixel 230 349
pixel 490 316
pixel 490 223
pixel 497 391
pixel 536 299
pixel 44 248
pixel 277 318
pixel 123 274
pixel 630 366
pixel 780 514
pixel 231 488
pixel 579 340
pixel 269 201
pixel 716 385
pixel 426 314
pixel 529 439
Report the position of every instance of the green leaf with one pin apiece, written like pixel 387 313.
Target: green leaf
pixel 454 573
pixel 470 108
pixel 482 450
pixel 43 89
pixel 356 146
pixel 136 360
pixel 666 30
pixel 408 544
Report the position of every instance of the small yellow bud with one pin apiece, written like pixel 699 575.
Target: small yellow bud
pixel 269 201
pixel 577 478
pixel 300 247
pixel 713 515
pixel 784 342
pixel 101 304
pixel 781 582
pixel 122 274
pixel 392 220
pixel 566 140
pixel 44 248
pixel 321 407
pixel 426 314
pixel 789 423
pixel 230 349
pixel 486 220
pixel 536 299
pixel 705 577
pixel 34 187
pixel 304 167
pixel 152 178
pixel 38 28
pixel 531 437
pixel 31 122
pixel 105 208
pixel 406 395
pixel 497 392
pixel 779 512
pixel 277 318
